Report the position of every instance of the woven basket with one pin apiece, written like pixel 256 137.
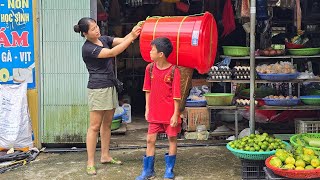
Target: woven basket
pixel 186 80
pixel 294 174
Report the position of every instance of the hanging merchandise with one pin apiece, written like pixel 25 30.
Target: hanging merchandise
pixel 228 21
pixel 115 12
pixel 287 4
pixel 262 10
pixel 298 17
pixel 194 39
pixel 245 6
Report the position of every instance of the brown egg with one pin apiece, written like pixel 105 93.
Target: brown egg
pixel 273 52
pixel 266 52
pixel 279 52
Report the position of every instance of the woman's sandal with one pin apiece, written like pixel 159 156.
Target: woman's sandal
pixel 91 170
pixel 113 161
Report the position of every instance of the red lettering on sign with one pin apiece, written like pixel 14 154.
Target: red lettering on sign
pixel 17 40
pixel 4 41
pixel 20 40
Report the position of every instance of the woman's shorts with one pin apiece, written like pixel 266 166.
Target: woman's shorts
pixel 102 99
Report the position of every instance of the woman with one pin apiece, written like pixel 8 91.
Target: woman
pixel 97 53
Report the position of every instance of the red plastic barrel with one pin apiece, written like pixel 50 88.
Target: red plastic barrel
pixel 194 39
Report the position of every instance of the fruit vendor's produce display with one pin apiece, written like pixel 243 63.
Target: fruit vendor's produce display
pixel 257 143
pixel 299 159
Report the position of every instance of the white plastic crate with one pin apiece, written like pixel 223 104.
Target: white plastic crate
pixel 307 126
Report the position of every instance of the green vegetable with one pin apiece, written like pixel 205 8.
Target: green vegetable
pixel 313 142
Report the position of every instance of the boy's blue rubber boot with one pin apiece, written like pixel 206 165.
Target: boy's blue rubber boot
pixel 170 162
pixel 148 168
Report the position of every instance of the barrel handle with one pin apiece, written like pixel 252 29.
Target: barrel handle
pixel 155 27
pixel 178 38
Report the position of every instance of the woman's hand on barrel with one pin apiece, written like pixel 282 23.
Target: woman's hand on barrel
pixel 136 31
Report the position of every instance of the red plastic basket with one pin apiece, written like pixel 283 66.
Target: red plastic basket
pixel 294 174
pixel 293 46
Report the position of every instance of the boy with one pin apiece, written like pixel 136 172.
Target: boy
pixel 162 87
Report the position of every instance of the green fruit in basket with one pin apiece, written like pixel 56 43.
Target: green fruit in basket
pixel 313 157
pixel 261 150
pixel 271 147
pixel 300 163
pixel 306 159
pixel 264 147
pixel 290 160
pixel 276 162
pixel 307 151
pixel 283 146
pixel 283 157
pixel 299 168
pixel 271 140
pixel 298 157
pixel 247 148
pixel 265 134
pixel 252 149
pixel 315 162
pixel 309 167
pixel 299 150
pixel 279 152
pixel 289 166
pixel 252 136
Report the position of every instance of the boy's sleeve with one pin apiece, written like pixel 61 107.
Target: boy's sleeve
pixel 176 88
pixel 147 80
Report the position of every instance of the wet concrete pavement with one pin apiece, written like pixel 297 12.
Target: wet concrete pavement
pixel 193 163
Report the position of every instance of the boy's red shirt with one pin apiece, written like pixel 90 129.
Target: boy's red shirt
pixel 163 91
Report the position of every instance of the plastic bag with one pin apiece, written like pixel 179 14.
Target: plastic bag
pixel 197 92
pixel 15 122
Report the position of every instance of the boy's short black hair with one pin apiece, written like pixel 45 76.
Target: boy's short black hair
pixel 164 45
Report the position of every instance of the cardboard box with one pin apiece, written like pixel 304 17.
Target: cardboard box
pixel 194 116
